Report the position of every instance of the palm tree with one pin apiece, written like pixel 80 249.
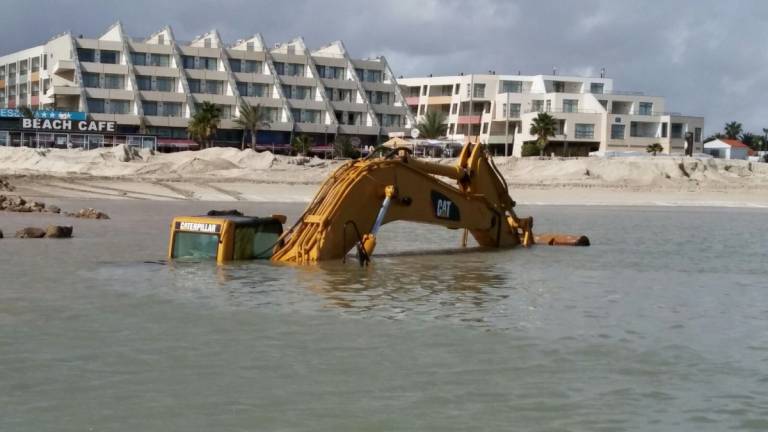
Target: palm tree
pixel 748 138
pixel 301 144
pixel 654 148
pixel 432 126
pixel 343 147
pixel 251 119
pixel 204 124
pixel 733 130
pixel 543 126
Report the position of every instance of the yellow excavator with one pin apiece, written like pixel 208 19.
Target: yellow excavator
pixel 360 197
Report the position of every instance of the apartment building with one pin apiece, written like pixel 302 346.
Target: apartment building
pixel 591 116
pixel 152 86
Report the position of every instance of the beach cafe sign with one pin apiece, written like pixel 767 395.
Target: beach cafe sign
pixel 45 114
pixel 67 125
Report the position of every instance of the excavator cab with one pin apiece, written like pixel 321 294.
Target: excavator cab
pixel 224 236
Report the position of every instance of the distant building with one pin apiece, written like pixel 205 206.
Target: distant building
pixel 152 87
pixel 591 116
pixel 727 149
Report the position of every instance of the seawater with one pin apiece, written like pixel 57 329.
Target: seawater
pixel 660 325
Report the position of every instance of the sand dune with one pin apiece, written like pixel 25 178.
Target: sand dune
pixel 231 174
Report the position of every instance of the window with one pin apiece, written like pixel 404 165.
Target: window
pixel 310 116
pixel 252 66
pixel 424 90
pixel 236 65
pixel 259 90
pixel 646 108
pixel 188 62
pixel 118 106
pixel 511 87
pixel 585 130
pixel 479 91
pixel 96 105
pixel 456 89
pixel 450 129
pixel 207 43
pixel 570 105
pixel 663 129
pixel 294 69
pixel 110 57
pixel 86 55
pixel 139 59
pixel 150 108
pixel 242 88
pixel 35 64
pixel 549 105
pixel 677 130
pixel 144 82
pixel 514 110
pixel 596 88
pixel 209 63
pixel 161 39
pixel 162 60
pixel 214 87
pixel 114 82
pixel 617 131
pixel 697 135
pixel 250 46
pixel 559 86
pixel 485 128
pixel 171 109
pixel 537 105
pixel 421 109
pixel 373 76
pixel 279 68
pixel 165 84
pixel 91 80
pixel 194 86
pixel 454 108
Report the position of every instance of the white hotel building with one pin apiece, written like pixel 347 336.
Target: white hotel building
pixel 591 116
pixel 152 86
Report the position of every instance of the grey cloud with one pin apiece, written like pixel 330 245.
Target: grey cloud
pixel 707 57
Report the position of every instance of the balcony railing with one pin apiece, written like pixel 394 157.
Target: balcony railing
pixel 561 111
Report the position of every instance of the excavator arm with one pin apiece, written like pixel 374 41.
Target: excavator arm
pixel 365 194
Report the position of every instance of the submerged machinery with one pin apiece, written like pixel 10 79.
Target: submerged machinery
pixel 360 197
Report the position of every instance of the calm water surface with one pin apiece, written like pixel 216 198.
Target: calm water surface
pixel 661 325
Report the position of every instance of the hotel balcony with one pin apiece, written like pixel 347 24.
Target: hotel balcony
pixel 470 119
pixel 439 100
pixel 63 67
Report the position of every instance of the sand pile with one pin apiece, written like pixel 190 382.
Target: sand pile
pixel 230 163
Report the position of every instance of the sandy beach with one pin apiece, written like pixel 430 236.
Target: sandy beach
pixel 225 174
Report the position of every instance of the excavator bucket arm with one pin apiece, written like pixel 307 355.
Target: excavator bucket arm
pixel 364 194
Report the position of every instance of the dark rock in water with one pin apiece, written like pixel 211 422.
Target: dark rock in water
pixel 89 213
pixel 56 231
pixel 5 185
pixel 53 209
pixel 30 232
pixel 36 206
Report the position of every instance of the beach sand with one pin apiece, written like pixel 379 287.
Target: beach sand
pixel 222 175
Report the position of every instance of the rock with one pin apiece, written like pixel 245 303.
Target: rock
pixel 53 209
pixel 30 232
pixel 90 213
pixel 57 231
pixel 1 233
pixel 37 206
pixel 5 185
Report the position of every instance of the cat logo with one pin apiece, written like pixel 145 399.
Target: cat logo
pixel 444 207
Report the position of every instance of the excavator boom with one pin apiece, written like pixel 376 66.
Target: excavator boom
pixel 362 195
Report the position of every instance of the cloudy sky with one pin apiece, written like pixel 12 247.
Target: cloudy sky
pixel 708 57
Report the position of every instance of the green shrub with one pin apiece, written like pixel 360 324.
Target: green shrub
pixel 530 149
